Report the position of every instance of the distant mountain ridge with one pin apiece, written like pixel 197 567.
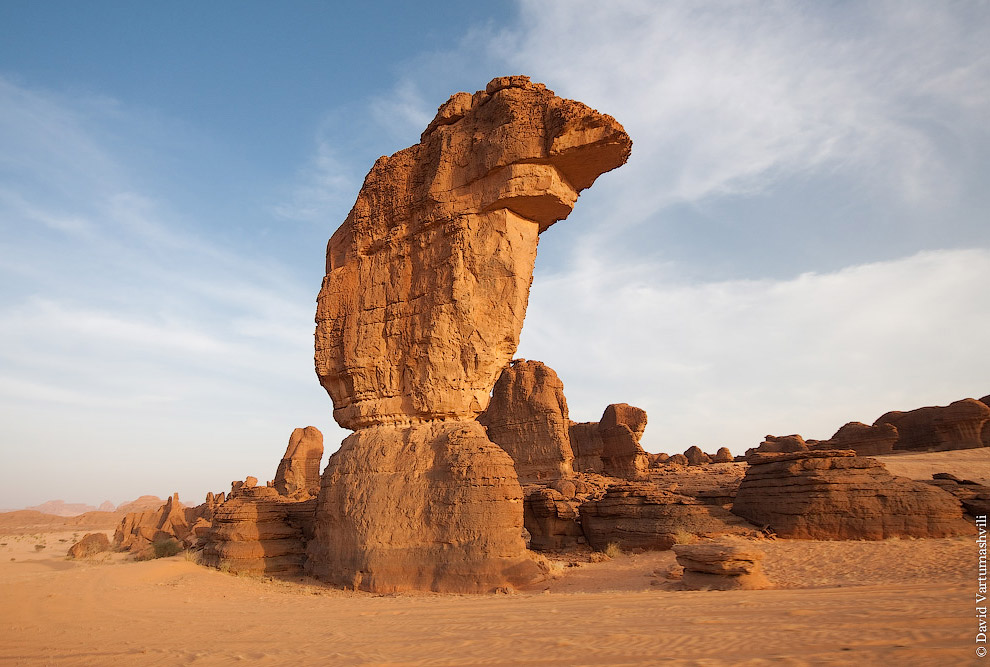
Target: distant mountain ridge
pixel 64 509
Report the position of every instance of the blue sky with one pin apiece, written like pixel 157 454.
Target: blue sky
pixel 801 237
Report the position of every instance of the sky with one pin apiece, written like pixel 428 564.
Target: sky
pixel 801 237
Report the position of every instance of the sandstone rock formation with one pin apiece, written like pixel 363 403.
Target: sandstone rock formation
pixel 975 497
pixel 862 439
pixel 298 474
pixel 723 455
pixel 677 460
pixel 696 457
pixel 260 531
pixel 783 443
pixel 426 287
pixel 90 545
pixel 137 530
pixel 552 520
pixel 721 567
pixel 641 515
pixel 611 446
pixel 836 495
pixel 527 417
pixel 587 445
pixel 958 425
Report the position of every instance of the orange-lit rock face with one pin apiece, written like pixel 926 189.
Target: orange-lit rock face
pixel 428 277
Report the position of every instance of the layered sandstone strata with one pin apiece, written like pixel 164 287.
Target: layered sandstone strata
pixel 298 473
pixel 527 417
pixel 422 305
pixel 259 531
pixel 642 516
pixel 721 567
pixel 836 495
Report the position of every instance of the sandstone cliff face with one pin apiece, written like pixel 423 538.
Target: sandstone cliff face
pixel 422 304
pixel 298 474
pixel 527 417
pixel 836 495
pixel 958 425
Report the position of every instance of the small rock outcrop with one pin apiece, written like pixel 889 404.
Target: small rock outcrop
pixel 721 567
pixel 862 439
pixel 638 515
pixel 527 417
pixel 958 425
pixel 611 446
pixel 836 495
pixel 90 545
pixel 552 520
pixel 259 531
pixel 138 530
pixel 427 282
pixel 774 444
pixel 696 457
pixel 975 497
pixel 723 455
pixel 298 474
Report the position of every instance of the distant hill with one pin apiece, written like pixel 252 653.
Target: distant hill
pixel 62 508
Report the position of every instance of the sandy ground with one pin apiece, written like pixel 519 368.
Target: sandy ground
pixel 907 602
pixel 971 464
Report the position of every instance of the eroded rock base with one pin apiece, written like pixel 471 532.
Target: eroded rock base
pixel 430 506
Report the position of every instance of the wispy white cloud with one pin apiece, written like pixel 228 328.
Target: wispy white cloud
pixel 721 96
pixel 125 328
pixel 725 363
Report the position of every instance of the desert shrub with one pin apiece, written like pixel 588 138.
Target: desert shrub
pixel 194 556
pixel 681 536
pixel 39 547
pixel 164 547
pixel 612 550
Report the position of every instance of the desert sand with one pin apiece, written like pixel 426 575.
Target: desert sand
pixel 890 602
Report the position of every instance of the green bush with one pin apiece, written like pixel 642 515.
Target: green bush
pixel 166 546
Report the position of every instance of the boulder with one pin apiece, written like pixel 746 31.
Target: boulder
pixel 784 443
pixel 721 567
pixel 836 495
pixel 425 292
pixel 298 473
pixel 527 417
pixel 958 425
pixel 91 544
pixel 637 515
pixel 723 455
pixel 696 457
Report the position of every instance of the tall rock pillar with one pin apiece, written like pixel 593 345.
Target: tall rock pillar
pixel 426 287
